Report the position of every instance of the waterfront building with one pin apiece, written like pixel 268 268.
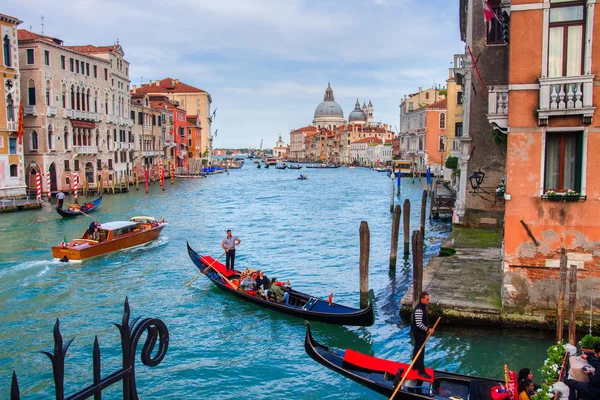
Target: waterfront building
pixel 328 113
pixel 553 138
pixel 281 149
pixel 482 71
pixel 454 118
pixel 412 138
pixel 436 135
pixel 162 128
pixel 76 113
pixel 370 151
pixel 12 161
pixel 298 147
pixel 347 134
pixel 192 101
pixel 194 131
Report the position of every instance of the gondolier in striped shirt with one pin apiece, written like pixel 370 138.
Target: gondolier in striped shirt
pixel 228 245
pixel 419 329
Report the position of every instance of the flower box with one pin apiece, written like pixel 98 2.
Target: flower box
pixel 571 198
pixel 554 197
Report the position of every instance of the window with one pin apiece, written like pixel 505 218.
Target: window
pixel 458 129
pixel 140 118
pixel 565 41
pixel 110 163
pixel 426 96
pixel 98 164
pixel 105 74
pixel 71 66
pixel 459 97
pixel 494 27
pixel 442 121
pixel 63 62
pixel 31 92
pixel 50 138
pixel 77 66
pixel 12 145
pixel 442 143
pixel 410 106
pixel 67 166
pixel 95 71
pixel 87 69
pixel 14 171
pixel 48 93
pixel 34 141
pixel 10 108
pixel 76 166
pixel 7 51
pixel 563 163
pixel 46 57
pixel 30 58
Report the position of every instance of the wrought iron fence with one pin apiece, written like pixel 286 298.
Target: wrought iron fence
pixel 130 337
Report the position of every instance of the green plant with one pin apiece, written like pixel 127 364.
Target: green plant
pixel 455 173
pixel 452 162
pixel 588 341
pixel 551 193
pixel 550 371
pixel 499 138
pixel 571 192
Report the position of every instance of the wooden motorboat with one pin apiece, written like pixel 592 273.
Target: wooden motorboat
pixel 271 160
pixel 82 210
pixel 379 375
pixel 112 236
pixel 300 305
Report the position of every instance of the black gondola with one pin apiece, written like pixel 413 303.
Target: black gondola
pixel 300 304
pixel 295 167
pixel 379 375
pixel 85 208
pixel 281 167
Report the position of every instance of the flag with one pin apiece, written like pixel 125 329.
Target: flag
pixel 330 299
pixel 216 132
pixel 488 13
pixel 20 129
pixel 214 114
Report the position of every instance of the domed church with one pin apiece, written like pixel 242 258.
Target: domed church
pixel 328 114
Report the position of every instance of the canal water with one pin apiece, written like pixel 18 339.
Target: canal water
pixel 303 230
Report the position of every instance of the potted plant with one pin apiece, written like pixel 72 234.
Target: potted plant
pixel 550 372
pixel 588 341
pixel 571 195
pixel 552 195
pixel 501 189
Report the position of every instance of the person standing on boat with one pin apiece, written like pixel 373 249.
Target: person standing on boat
pixel 93 230
pixel 60 196
pixel 419 329
pixel 228 245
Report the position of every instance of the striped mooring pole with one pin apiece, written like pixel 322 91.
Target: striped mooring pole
pixel 75 186
pixel 38 183
pixel 48 184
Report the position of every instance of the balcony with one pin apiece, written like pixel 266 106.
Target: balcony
pixel 455 147
pixel 498 107
pixel 84 150
pixel 52 111
pixel 151 153
pixel 566 95
pixel 30 110
pixel 11 125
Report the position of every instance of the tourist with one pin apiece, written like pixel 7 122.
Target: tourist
pixel 248 283
pixel 93 230
pixel 262 282
pixel 420 329
pixel 277 293
pixel 60 196
pixel 525 389
pixel 588 390
pixel 228 245
pixel 525 373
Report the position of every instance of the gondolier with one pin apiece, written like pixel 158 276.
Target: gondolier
pixel 419 329
pixel 60 196
pixel 228 245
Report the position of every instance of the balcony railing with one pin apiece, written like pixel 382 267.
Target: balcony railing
pixel 86 149
pixel 11 125
pixel 498 106
pixel 151 153
pixel 52 110
pixel 30 110
pixel 455 147
pixel 566 95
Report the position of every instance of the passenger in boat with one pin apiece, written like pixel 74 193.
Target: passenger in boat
pixel 277 293
pixel 419 329
pixel 262 282
pixel 93 230
pixel 525 389
pixel 525 373
pixel 588 390
pixel 248 283
pixel 228 245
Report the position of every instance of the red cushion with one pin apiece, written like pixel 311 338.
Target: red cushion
pixel 222 268
pixel 381 365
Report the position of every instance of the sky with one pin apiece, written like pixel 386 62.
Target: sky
pixel 267 63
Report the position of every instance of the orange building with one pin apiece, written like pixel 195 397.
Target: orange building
pixel 435 135
pixel 194 142
pixel 552 181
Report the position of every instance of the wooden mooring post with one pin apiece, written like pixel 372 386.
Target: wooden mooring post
pixel 572 303
pixel 562 286
pixel 423 212
pixel 395 234
pixel 392 198
pixel 406 218
pixel 365 245
pixel 417 249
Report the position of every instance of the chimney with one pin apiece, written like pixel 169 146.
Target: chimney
pixel 133 88
pixel 150 81
pixel 176 82
pixel 157 83
pixel 172 82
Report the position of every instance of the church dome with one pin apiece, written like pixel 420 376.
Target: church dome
pixel 357 115
pixel 329 108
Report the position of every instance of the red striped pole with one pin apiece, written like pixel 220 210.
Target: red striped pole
pixel 48 184
pixel 75 186
pixel 146 176
pixel 38 183
pixel 172 172
pixel 162 176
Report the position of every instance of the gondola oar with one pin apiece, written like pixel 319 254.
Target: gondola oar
pixel 413 361
pixel 210 266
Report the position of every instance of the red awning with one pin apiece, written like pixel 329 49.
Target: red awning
pixel 83 124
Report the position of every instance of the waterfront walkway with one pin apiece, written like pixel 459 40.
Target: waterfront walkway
pixel 465 287
pixel 7 205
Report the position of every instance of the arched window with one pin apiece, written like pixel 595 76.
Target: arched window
pixel 10 108
pixel 68 181
pixel 106 103
pixel 34 140
pixel 96 101
pixel 442 121
pixel 7 52
pixel 48 93
pixel 72 98
pixel 31 92
pixel 87 100
pixel 66 138
pixel 50 138
pixel 14 171
pixel 426 96
pixel 108 139
pixel 64 96
pixel 78 99
pixel 97 138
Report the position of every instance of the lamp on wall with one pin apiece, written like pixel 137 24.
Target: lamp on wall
pixel 476 179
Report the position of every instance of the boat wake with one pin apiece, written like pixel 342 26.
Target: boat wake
pixel 161 241
pixel 26 270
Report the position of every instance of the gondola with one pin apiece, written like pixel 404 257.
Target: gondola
pixel 300 305
pixel 379 375
pixel 86 208
pixel 281 167
pixel 295 167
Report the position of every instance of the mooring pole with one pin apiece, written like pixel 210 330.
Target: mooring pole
pixel 572 303
pixel 417 248
pixel 398 184
pixel 392 198
pixel 406 218
pixel 562 285
pixel 395 234
pixel 423 211
pixel 365 244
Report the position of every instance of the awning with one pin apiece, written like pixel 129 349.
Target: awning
pixel 83 124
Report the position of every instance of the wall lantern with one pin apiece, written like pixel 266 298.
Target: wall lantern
pixel 476 179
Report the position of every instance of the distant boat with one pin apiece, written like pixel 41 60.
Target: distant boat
pixel 271 160
pixel 303 177
pixel 82 210
pixel 295 167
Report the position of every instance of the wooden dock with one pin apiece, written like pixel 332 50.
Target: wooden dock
pixel 9 205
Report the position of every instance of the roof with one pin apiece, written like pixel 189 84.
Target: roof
pixel 168 85
pixel 111 226
pixel 308 128
pixel 89 48
pixel 24 34
pixel 8 18
pixel 368 140
pixel 439 104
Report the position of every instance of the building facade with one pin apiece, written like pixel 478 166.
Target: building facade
pixel 12 160
pixel 281 149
